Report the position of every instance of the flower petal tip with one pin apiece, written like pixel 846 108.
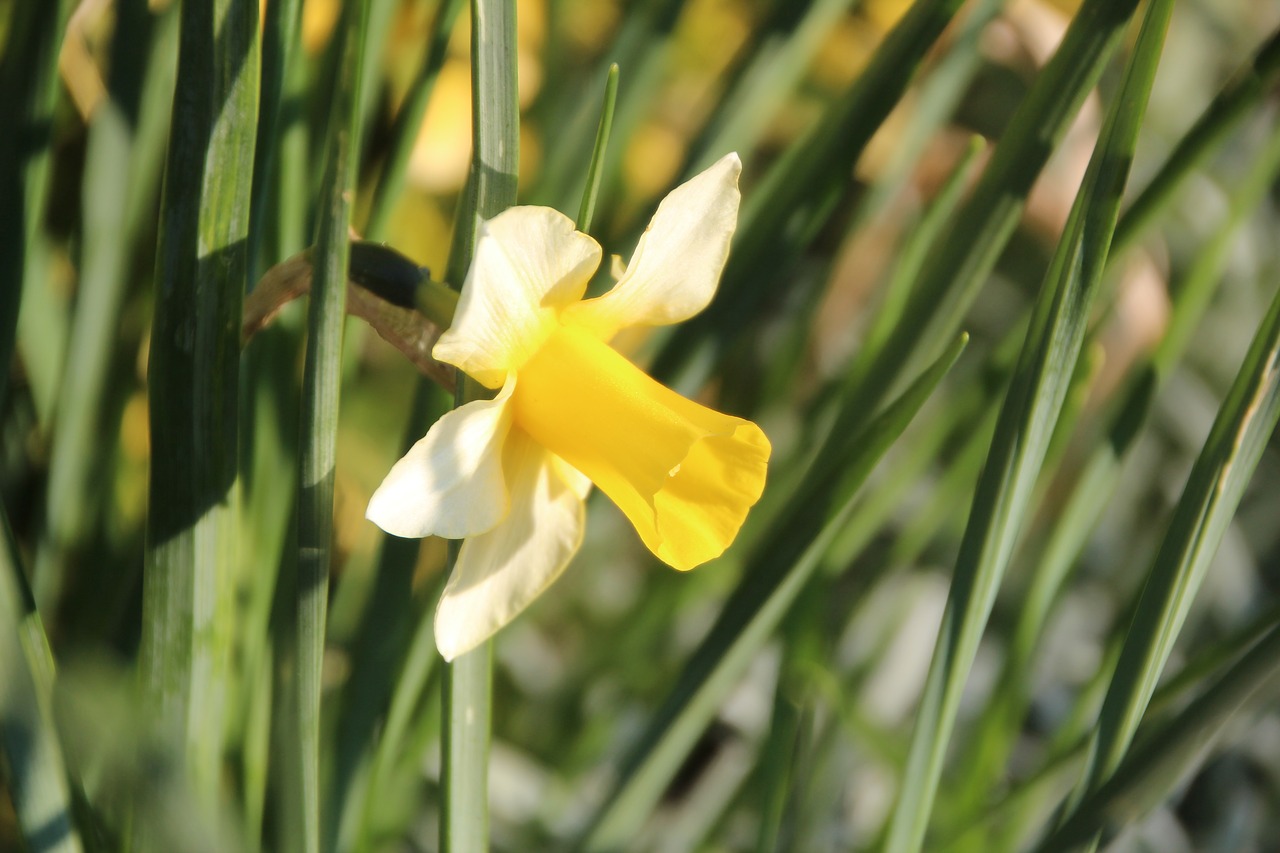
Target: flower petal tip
pixel 730 161
pixel 397 517
pixel 455 634
pixel 376 512
pixel 501 572
pixel 675 269
pixel 449 648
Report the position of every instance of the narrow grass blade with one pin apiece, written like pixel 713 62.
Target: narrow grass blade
pixel 261 737
pixel 911 258
pixel 1023 431
pixel 950 281
pixel 966 413
pixel 1243 93
pixel 937 519
pixel 280 24
pixel 909 463
pixel 774 577
pixel 404 134
pixel 193 376
pixel 779 767
pixel 1093 488
pixel 291 224
pixel 1208 663
pixel 270 396
pixel 1161 756
pixel 834 146
pixel 380 17
pixel 321 384
pixel 1019 810
pixel 254 746
pixel 934 102
pixel 121 170
pixel 407 698
pixel 1194 294
pixel 641 47
pixel 595 171
pixel 491 188
pixel 791 497
pixel 800 183
pixel 1217 480
pixel 783 52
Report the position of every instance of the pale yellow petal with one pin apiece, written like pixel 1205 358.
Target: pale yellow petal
pixel 676 267
pixel 499 573
pixel 451 482
pixel 529 262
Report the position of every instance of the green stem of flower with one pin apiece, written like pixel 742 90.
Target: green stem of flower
pixel 321 386
pixel 491 188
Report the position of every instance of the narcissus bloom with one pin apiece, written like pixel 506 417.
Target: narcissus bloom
pixel 510 474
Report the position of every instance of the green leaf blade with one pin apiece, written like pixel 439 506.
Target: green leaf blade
pixel 1023 431
pixel 192 528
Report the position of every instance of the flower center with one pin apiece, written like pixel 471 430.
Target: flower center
pixel 683 474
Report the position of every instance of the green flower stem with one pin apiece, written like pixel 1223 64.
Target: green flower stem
pixel 495 135
pixel 408 121
pixel 395 636
pixel 467 695
pixel 491 188
pixel 322 373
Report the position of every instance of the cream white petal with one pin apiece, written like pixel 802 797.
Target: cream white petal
pixel 529 262
pixel 451 483
pixel 499 573
pixel 677 263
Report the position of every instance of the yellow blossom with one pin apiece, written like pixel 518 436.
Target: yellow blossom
pixel 510 474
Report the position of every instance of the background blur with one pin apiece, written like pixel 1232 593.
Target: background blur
pixel 579 676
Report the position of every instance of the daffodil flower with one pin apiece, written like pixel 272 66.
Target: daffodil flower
pixel 510 474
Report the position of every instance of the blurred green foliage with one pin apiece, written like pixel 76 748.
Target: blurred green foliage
pixel 910 172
